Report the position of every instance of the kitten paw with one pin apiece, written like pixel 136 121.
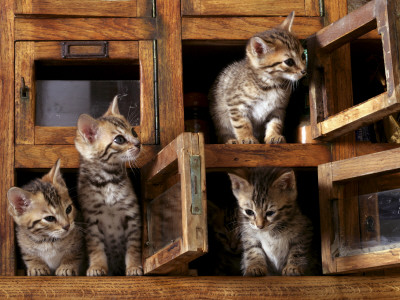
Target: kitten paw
pixel 96 271
pixel 66 271
pixel 291 270
pixel 38 271
pixel 255 271
pixel 248 140
pixel 275 139
pixel 134 271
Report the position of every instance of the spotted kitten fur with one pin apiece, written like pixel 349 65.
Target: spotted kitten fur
pixel 276 237
pixel 249 98
pixel 47 235
pixel 109 204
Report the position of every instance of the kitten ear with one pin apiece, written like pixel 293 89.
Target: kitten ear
pixel 258 46
pixel 239 179
pixel 287 181
pixel 54 175
pixel 113 108
pixel 287 23
pixel 88 128
pixel 19 201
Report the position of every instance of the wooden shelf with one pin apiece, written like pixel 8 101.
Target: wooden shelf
pixel 275 287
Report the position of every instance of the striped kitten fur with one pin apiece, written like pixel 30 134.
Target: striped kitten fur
pixel 109 204
pixel 249 98
pixel 276 237
pixel 50 241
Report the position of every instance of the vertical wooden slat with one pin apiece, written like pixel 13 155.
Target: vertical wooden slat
pixel 7 241
pixel 144 8
pixel 24 109
pixel 147 121
pixel 170 89
pixel 326 217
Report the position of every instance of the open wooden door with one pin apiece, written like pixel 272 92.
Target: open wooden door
pixel 175 206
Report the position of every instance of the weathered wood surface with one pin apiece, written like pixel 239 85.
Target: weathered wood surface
pixel 115 8
pixel 7 243
pixel 216 287
pixel 85 29
pixel 242 28
pixel 44 156
pixel 248 8
pixel 170 86
pixel 280 155
pixel 366 165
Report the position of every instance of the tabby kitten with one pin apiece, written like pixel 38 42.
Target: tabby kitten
pixel 109 204
pixel 249 98
pixel 48 237
pixel 276 236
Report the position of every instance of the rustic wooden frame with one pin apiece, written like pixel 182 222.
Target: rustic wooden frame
pixel 172 165
pixel 380 14
pixel 25 55
pixel 309 8
pixel 331 179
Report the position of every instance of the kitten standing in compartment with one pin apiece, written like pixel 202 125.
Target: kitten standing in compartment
pixel 249 98
pixel 276 237
pixel 49 239
pixel 108 202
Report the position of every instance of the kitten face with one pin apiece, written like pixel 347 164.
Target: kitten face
pixel 43 207
pixel 265 198
pixel 109 139
pixel 277 53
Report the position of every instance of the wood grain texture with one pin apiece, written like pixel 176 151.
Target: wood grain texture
pixel 216 287
pixel 85 29
pixel 366 165
pixel 170 87
pixel 24 107
pixel 280 155
pixel 147 113
pixel 115 8
pixel 144 8
pixel 371 261
pixel 242 8
pixel 44 156
pixel 242 28
pixel 7 243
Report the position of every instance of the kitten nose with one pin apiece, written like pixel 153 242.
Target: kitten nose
pixel 136 143
pixel 260 225
pixel 66 227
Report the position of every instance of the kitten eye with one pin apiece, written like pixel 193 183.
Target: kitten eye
pixel 134 133
pixel 269 213
pixel 119 139
pixel 50 219
pixel 68 210
pixel 289 62
pixel 303 56
pixel 249 212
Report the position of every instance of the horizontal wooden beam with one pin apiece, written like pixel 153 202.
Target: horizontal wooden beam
pixel 44 156
pixel 280 155
pixel 355 24
pixel 366 165
pixel 357 116
pixel 276 287
pixel 85 29
pixel 242 28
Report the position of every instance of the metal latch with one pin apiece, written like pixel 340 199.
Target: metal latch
pixel 195 178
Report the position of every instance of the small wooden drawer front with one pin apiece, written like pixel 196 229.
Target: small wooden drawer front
pixel 99 8
pixel 249 7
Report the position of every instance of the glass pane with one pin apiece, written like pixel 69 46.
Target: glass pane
pixel 60 102
pixel 164 217
pixel 379 217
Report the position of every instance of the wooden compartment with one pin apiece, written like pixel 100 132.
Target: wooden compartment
pixel 249 8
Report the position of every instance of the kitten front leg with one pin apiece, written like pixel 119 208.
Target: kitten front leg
pixel 242 128
pixel 253 260
pixel 96 250
pixel 273 132
pixel 133 257
pixel 297 262
pixel 69 265
pixel 35 266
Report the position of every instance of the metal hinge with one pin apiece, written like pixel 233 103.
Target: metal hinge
pixel 195 179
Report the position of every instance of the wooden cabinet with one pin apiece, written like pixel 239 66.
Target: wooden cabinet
pixel 173 47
